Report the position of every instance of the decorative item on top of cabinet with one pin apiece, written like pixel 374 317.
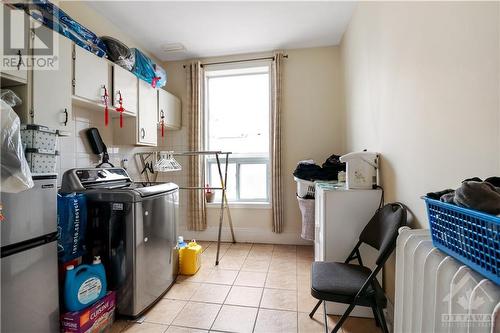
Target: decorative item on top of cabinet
pixel 19 37
pixel 169 107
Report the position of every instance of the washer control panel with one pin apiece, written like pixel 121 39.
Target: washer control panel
pixel 76 180
pixel 101 175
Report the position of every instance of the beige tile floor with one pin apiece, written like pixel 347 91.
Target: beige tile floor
pixel 255 288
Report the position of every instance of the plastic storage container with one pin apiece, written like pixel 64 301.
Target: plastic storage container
pixel 304 188
pixel 39 137
pixel 469 236
pixel 84 285
pixel 41 161
pixel 190 258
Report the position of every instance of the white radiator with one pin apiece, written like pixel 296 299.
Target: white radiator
pixel 436 293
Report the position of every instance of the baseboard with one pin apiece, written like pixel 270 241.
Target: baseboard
pixel 389 316
pixel 245 235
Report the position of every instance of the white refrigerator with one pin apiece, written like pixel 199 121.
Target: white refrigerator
pixel 340 216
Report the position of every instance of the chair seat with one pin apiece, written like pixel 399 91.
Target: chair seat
pixel 337 281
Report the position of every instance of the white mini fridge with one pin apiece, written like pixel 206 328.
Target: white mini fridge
pixel 29 282
pixel 340 216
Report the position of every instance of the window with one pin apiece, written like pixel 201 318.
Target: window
pixel 237 106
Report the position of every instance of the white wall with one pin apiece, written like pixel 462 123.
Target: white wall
pixel 312 128
pixel 422 88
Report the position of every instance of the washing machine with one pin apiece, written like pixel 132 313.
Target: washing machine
pixel 133 228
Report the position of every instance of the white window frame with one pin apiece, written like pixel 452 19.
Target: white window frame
pixel 238 161
pixel 234 158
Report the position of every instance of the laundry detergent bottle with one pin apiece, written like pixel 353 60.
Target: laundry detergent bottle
pixel 84 285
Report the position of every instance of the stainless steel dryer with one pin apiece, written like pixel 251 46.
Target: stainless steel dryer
pixel 133 229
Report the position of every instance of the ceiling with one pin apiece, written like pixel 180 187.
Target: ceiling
pixel 215 28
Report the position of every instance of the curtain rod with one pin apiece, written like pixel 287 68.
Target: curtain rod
pixel 236 61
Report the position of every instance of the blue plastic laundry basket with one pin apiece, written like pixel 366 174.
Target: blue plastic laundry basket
pixel 467 235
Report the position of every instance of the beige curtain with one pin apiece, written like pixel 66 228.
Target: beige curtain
pixel 276 158
pixel 197 217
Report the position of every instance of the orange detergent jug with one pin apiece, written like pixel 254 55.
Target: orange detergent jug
pixel 190 258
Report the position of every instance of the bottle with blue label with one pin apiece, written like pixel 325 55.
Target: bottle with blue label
pixel 84 285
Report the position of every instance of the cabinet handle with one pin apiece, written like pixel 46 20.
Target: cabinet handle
pixel 20 59
pixel 66 117
pixel 143 133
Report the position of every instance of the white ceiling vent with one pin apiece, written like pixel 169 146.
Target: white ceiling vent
pixel 172 47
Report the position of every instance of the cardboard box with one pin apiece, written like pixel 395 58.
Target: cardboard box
pixel 97 318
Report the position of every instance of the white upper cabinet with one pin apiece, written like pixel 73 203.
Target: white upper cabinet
pixel 139 130
pixel 147 132
pixel 51 105
pixel 19 43
pixel 126 83
pixel 169 107
pixel 91 74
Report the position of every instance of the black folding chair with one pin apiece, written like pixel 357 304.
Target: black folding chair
pixel 356 284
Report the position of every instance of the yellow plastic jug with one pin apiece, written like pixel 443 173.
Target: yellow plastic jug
pixel 190 258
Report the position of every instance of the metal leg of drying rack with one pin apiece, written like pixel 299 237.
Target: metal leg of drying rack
pixel 222 204
pixel 230 220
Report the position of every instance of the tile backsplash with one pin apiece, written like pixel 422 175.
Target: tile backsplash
pixel 75 151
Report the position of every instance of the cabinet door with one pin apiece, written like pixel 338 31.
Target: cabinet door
pixel 147 114
pixel 91 75
pixel 125 83
pixel 19 34
pixel 170 107
pixel 52 90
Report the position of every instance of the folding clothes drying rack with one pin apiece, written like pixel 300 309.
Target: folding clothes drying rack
pixel 223 184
